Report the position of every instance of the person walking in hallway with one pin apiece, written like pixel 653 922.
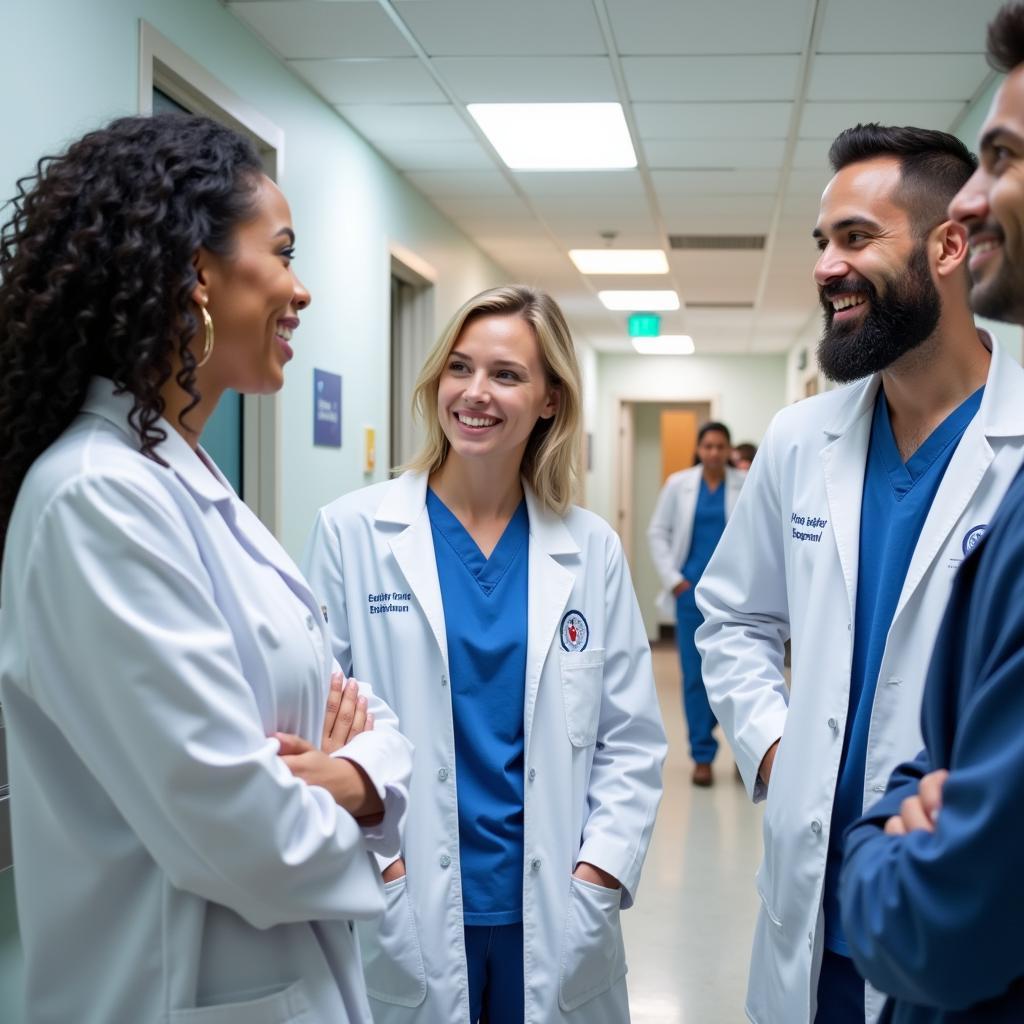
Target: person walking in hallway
pixel 858 509
pixel 930 889
pixel 687 524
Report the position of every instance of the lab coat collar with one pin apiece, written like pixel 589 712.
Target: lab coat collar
pixel 547 527
pixel 196 470
pixel 405 499
pixel 1001 412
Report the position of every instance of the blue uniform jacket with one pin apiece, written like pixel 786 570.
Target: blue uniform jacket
pixel 936 919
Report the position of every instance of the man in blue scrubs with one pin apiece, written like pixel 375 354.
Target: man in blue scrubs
pixel 933 903
pixel 846 538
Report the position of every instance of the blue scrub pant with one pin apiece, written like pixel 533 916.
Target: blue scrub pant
pixel 494 959
pixel 700 719
pixel 840 991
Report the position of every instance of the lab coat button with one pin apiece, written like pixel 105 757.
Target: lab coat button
pixel 535 864
pixel 444 680
pixel 893 682
pixel 532 774
pixel 815 826
pixel 309 622
pixel 442 774
pixel 833 725
pixel 445 860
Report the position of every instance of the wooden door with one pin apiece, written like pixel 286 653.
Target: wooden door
pixel 678 441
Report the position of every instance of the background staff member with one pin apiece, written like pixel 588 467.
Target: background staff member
pixel 687 524
pixel 933 902
pixel 859 507
pixel 511 643
pixel 153 634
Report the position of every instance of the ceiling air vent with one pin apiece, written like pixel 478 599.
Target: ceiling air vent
pixel 716 241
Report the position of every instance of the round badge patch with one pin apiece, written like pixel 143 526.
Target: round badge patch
pixel 972 537
pixel 574 631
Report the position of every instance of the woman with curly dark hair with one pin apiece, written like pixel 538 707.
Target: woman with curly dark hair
pixel 156 643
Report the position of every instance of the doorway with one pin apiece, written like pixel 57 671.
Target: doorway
pixel 412 335
pixel 661 439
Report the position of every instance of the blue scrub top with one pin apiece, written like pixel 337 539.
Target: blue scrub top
pixel 896 501
pixel 485 613
pixel 708 527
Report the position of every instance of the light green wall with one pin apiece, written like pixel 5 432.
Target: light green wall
pixel 348 204
pixel 744 392
pixel 70 65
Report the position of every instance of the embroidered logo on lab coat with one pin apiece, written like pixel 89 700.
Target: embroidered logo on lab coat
pixel 972 537
pixel 574 631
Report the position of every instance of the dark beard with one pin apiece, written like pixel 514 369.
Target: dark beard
pixel 1002 298
pixel 894 324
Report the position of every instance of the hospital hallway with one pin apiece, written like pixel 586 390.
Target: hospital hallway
pixel 688 935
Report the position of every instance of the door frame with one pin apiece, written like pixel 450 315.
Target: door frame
pixel 164 66
pixel 625 439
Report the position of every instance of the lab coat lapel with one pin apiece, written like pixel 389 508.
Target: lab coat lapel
pixel 550 586
pixel 413 549
pixel 843 461
pixel 1001 415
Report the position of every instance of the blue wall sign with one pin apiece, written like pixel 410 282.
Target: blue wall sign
pixel 327 408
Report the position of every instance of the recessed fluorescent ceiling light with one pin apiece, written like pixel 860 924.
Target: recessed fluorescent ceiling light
pixel 557 136
pixel 647 301
pixel 619 261
pixel 666 345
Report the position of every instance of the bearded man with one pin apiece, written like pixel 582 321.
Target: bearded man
pixel 860 506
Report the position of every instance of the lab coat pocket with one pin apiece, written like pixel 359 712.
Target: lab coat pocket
pixel 593 956
pixel 287 1005
pixel 392 959
pixel 582 688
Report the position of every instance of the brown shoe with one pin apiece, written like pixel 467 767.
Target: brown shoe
pixel 702 775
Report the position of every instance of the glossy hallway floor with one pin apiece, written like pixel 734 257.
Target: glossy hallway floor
pixel 688 935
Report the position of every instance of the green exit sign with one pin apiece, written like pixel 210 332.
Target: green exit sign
pixel 644 325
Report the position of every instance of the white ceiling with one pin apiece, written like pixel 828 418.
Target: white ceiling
pixel 731 104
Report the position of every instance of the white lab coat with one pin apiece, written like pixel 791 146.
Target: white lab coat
pixel 594 750
pixel 168 866
pixel 787 566
pixel 671 528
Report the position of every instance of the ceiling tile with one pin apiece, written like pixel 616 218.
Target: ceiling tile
pixel 719 153
pixel 911 76
pixel 460 184
pixel 529 79
pixel 608 208
pixel 712 120
pixel 740 26
pixel 716 182
pixel 717 276
pixel 343 82
pixel 475 28
pixel 711 78
pixel 826 120
pixel 307 28
pixel 409 122
pixel 436 156
pixel 696 214
pixel 583 183
pixel 940 26
pixel 501 208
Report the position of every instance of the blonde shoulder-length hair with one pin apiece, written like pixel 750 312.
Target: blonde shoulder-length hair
pixel 551 460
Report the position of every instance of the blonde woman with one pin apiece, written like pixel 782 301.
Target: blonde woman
pixel 500 623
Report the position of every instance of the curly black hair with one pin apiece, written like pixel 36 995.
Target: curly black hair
pixel 96 274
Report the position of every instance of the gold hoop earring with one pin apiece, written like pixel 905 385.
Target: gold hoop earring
pixel 207 339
